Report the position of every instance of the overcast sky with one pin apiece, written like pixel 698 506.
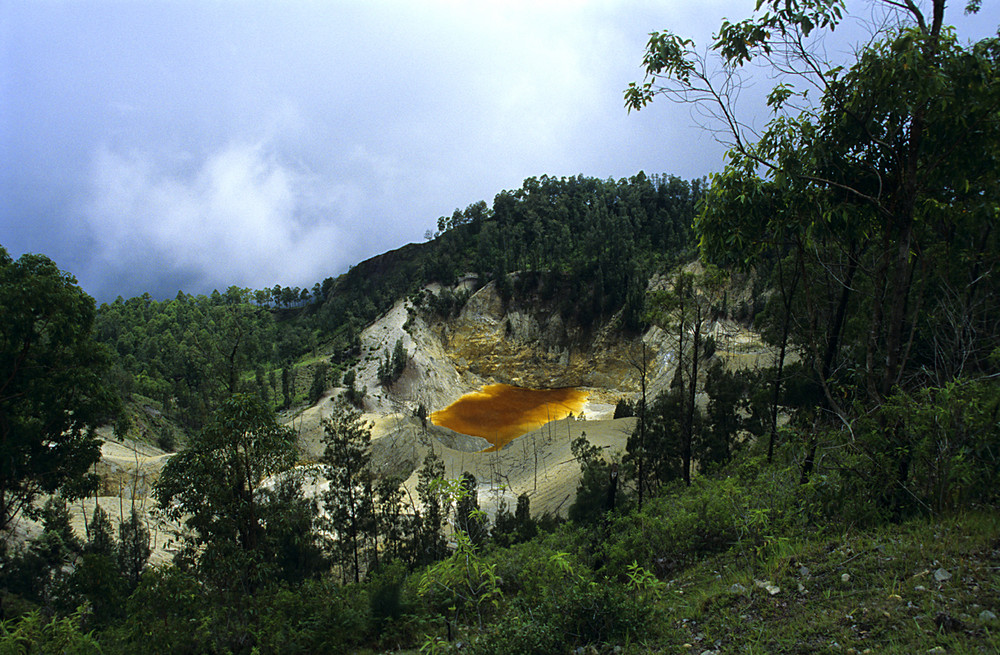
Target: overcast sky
pixel 154 145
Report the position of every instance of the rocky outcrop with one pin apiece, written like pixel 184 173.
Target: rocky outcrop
pixel 529 344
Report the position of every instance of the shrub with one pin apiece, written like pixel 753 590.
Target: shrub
pixel 37 633
pixel 515 634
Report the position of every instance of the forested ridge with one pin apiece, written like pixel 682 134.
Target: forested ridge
pixel 597 241
pixel 841 498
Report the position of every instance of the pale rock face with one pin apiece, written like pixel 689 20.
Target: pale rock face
pixel 526 344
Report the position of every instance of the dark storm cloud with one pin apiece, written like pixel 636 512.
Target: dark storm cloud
pixel 152 146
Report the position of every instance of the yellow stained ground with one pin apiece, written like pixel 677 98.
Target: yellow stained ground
pixel 500 413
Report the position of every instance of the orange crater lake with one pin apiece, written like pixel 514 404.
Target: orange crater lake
pixel 500 413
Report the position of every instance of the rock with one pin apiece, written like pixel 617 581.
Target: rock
pixel 804 571
pixel 936 650
pixel 987 615
pixel 737 588
pixel 771 588
pixel 920 587
pixel 845 577
pixel 942 575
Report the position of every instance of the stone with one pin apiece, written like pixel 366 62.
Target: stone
pixel 942 575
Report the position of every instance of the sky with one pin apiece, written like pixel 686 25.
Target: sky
pixel 164 145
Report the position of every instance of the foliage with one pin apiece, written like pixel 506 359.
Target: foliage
pixel 392 366
pixel 133 548
pixel 947 439
pixel 462 587
pixel 436 507
pixel 685 308
pixel 101 539
pixel 52 388
pixel 596 492
pixel 168 613
pixel 623 409
pixel 214 486
pixel 192 352
pixel 870 208
pixel 38 634
pixel 349 502
pixel 39 571
pixel 656 439
pixel 469 518
pixel 319 384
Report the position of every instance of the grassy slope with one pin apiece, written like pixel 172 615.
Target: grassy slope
pixel 906 588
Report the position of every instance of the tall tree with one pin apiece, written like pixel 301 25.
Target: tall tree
pixel 350 500
pixel 686 310
pixel 215 487
pixel 469 518
pixel 434 509
pixel 897 157
pixel 887 181
pixel 53 392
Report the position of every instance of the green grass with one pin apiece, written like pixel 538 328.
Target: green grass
pixel 890 601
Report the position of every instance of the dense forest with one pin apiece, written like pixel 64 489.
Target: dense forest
pixel 842 499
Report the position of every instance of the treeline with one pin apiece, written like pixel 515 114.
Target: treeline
pixel 190 353
pixel 597 241
pixel 591 243
pixel 601 238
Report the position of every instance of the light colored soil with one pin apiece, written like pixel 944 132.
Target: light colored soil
pixel 442 365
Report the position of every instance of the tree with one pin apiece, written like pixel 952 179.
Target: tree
pixel 895 159
pixel 661 443
pixel 393 365
pixel 40 572
pixel 288 384
pixel 686 309
pixel 100 538
pixel 321 377
pixel 215 485
pixel 350 500
pixel 133 548
pixel 395 530
pixel 885 185
pixel 726 401
pixel 597 489
pixel 435 508
pixel 52 385
pixel 525 525
pixel 469 518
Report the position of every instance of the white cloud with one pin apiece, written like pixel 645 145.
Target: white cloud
pixel 240 216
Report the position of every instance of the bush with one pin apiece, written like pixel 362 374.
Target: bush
pixel 316 617
pixel 37 633
pixel 514 634
pixel 930 451
pixel 745 509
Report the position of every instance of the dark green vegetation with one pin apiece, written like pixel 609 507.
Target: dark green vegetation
pixel 842 500
pixel 592 243
pixel 52 391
